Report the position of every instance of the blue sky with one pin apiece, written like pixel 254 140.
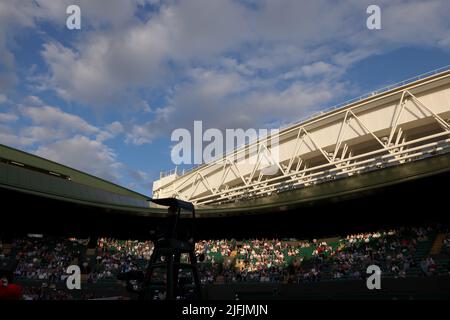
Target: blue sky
pixel 105 99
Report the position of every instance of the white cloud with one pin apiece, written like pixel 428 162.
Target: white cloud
pixel 318 68
pixel 415 22
pixel 41 134
pixel 95 14
pixel 63 137
pixel 50 124
pixel 10 138
pixel 229 63
pixel 33 101
pixel 3 98
pixel 8 117
pixel 224 100
pixel 14 16
pixel 110 131
pixel 56 118
pixel 285 38
pixel 115 128
pixel 106 64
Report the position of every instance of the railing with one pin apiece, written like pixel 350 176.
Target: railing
pixel 167 173
pixel 374 93
pixel 357 164
pixel 334 107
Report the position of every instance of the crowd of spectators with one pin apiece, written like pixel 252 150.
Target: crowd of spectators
pixel 223 261
pixel 115 256
pixel 446 243
pixel 251 260
pixel 4 257
pixel 45 292
pixel 393 251
pixel 45 259
pixel 278 261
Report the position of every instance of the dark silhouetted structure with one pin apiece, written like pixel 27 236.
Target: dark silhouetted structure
pixel 166 272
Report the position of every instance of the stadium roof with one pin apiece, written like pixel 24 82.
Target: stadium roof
pixel 24 172
pixel 49 197
pixel 32 174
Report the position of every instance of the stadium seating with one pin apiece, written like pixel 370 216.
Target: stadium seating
pixel 407 252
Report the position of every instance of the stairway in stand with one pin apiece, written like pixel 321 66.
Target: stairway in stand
pixel 437 245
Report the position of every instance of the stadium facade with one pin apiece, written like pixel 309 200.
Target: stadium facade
pixel 369 179
pixel 384 156
pixel 391 127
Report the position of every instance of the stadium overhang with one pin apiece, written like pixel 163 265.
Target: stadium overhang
pixel 393 126
pixel 38 194
pixel 27 173
pixel 357 186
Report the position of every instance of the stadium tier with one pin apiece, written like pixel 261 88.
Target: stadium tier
pixel 405 253
pixel 379 163
pixel 51 198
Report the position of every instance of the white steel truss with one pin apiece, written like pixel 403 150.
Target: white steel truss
pixel 311 163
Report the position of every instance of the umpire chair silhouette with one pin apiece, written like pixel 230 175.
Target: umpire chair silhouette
pixel 173 238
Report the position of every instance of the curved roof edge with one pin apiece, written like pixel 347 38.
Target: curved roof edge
pixel 365 182
pixel 15 177
pixel 39 164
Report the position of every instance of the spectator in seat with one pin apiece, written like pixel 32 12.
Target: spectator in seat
pixel 9 291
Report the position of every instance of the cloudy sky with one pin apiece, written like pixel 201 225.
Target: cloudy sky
pixel 105 99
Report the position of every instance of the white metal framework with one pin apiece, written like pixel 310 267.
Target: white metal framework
pixel 399 125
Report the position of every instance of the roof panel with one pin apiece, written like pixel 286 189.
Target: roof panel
pixel 33 161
